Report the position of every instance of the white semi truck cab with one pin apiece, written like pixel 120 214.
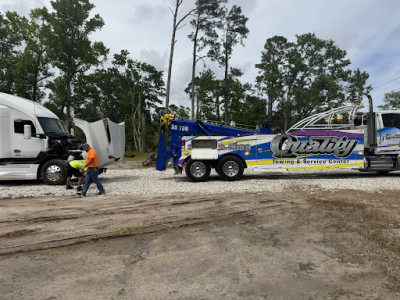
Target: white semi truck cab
pixel 34 143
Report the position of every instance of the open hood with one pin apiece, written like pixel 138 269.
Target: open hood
pixel 106 138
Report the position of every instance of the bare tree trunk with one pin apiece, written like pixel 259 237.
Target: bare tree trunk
pixel 68 105
pixel 269 113
pixel 226 90
pixel 36 76
pixel 197 109
pixel 171 58
pixel 194 65
pixel 143 132
pixel 217 108
pixel 286 123
pixel 134 127
pixel 142 125
pixel 139 123
pixel 175 27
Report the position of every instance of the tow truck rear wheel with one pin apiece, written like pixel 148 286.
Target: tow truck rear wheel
pixel 230 168
pixel 198 170
pixel 54 172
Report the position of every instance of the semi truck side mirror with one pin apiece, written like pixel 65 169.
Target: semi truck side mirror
pixel 72 131
pixel 27 132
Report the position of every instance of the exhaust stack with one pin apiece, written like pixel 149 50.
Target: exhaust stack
pixel 371 127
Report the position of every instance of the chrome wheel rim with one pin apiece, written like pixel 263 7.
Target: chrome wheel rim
pixel 198 169
pixel 53 173
pixel 230 168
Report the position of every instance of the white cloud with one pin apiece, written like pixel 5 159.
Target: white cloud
pixel 146 12
pixel 155 58
pixel 22 7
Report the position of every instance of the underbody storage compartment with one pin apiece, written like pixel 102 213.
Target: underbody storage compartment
pixel 204 149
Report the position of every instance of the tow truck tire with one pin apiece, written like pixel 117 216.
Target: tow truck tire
pixel 197 170
pixel 382 172
pixel 54 172
pixel 230 168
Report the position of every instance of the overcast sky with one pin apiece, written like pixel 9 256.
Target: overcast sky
pixel 369 30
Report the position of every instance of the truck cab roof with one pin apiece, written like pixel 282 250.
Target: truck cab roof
pixel 25 106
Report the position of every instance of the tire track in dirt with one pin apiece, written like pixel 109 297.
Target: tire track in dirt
pixel 57 222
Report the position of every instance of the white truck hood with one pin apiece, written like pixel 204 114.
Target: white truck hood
pixel 106 138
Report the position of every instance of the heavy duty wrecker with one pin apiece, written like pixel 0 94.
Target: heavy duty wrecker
pixel 344 137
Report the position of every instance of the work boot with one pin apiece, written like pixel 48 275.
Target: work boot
pixel 69 187
pixel 101 193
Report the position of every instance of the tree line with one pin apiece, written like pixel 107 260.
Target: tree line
pixel 50 58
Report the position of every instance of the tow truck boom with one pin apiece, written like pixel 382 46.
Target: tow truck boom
pixel 172 130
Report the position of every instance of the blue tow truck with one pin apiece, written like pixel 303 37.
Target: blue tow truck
pixel 343 137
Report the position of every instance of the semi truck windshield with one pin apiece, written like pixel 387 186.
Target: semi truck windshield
pixel 52 125
pixel 391 120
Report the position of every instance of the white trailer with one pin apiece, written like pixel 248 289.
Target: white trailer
pixel 34 143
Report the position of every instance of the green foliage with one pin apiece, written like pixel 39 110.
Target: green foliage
pixel 66 33
pixel 356 88
pixel 391 100
pixel 306 77
pixel 207 19
pixel 234 31
pixel 11 36
pixel 33 65
pixel 143 86
pixel 179 111
pixel 207 88
pixel 245 107
pixel 274 58
pixel 57 97
pixel 129 92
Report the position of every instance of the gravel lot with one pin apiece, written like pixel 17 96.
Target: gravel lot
pixel 291 235
pixel 142 181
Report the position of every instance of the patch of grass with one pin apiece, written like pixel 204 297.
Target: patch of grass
pixel 137 154
pixel 360 233
pixel 365 221
pixel 337 294
pixel 130 230
pixel 242 226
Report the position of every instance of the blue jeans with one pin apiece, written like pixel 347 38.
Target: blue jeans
pixel 92 175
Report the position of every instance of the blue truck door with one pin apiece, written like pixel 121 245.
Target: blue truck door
pixel 264 156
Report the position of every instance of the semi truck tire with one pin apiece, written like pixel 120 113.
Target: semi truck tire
pixel 197 170
pixel 54 172
pixel 230 168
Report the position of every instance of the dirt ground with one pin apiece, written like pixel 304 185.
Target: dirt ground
pixel 294 245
